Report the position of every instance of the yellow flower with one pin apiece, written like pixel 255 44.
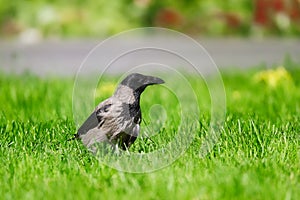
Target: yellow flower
pixel 274 77
pixel 105 89
pixel 236 95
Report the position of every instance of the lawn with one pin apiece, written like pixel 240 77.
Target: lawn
pixel 257 155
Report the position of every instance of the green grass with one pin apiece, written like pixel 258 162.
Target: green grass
pixel 257 155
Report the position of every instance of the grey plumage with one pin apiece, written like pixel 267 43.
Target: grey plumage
pixel 117 119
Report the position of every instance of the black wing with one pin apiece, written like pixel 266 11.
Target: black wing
pixel 91 122
pixel 94 120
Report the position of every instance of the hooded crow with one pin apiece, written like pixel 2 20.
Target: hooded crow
pixel 117 119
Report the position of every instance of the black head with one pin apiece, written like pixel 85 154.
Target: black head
pixel 139 82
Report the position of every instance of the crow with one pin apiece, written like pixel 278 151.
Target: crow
pixel 117 119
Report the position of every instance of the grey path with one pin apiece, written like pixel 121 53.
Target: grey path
pixel 65 57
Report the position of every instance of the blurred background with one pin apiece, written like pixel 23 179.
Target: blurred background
pixel 75 18
pixel 33 22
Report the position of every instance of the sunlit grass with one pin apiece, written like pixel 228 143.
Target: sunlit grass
pixel 256 156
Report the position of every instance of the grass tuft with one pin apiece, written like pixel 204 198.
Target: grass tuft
pixel 256 156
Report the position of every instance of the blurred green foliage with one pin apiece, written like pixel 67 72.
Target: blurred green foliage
pixel 88 18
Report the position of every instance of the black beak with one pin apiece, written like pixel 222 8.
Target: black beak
pixel 152 80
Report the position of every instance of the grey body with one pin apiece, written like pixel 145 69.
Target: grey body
pixel 117 119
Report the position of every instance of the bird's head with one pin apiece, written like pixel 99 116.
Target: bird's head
pixel 137 83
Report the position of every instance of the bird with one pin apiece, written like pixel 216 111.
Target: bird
pixel 116 120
